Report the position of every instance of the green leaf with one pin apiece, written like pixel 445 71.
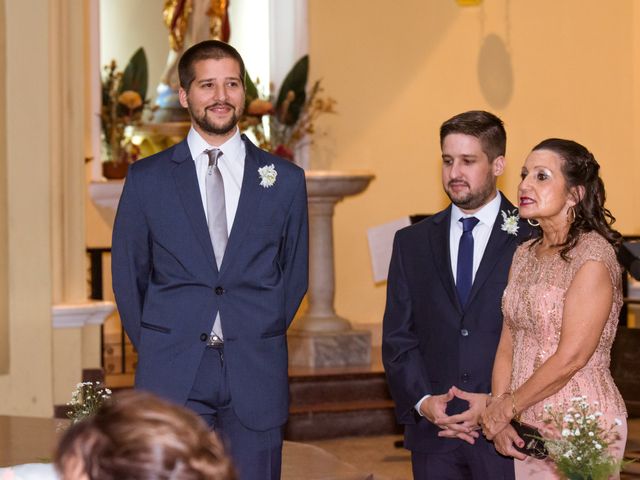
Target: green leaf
pixel 135 76
pixel 251 91
pixel 296 81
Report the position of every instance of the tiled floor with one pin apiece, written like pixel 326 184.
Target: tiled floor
pixel 379 456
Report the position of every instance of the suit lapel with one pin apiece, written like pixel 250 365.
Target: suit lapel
pixel 441 256
pixel 496 245
pixel 186 181
pixel 247 204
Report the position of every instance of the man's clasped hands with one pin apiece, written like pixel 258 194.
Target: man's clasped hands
pixel 494 422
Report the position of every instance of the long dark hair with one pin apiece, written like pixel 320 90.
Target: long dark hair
pixel 580 169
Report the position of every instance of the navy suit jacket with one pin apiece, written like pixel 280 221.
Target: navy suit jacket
pixel 429 342
pixel 168 288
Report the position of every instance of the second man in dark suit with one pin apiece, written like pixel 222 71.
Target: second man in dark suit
pixel 443 315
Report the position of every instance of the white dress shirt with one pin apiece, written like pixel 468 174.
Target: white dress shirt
pixel 487 217
pixel 231 165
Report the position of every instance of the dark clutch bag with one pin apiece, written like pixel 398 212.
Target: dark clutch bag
pixel 533 443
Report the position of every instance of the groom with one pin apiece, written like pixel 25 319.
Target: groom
pixel 443 318
pixel 209 259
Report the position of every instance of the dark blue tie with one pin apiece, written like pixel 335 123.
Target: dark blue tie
pixel 464 274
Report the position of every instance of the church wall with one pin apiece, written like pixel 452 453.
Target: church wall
pixel 398 70
pixel 27 387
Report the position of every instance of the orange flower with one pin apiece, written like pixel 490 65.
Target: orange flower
pixel 130 99
pixel 259 107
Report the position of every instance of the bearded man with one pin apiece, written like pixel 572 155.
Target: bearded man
pixel 443 319
pixel 210 264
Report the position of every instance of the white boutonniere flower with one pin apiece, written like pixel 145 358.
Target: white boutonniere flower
pixel 268 175
pixel 510 221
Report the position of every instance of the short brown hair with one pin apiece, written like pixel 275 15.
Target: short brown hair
pixel 485 126
pixel 138 436
pixel 207 50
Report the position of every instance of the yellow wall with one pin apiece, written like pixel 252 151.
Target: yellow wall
pixel 398 69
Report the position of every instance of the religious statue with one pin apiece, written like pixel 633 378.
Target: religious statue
pixel 188 22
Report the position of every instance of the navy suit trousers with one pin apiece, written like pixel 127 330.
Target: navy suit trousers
pixel 467 462
pixel 257 455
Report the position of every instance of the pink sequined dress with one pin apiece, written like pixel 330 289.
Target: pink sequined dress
pixel 533 305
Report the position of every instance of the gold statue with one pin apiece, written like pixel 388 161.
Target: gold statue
pixel 189 22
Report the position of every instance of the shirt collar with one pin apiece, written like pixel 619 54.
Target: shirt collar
pixel 231 148
pixel 487 214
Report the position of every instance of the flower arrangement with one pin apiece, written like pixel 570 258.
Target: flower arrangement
pixel 86 399
pixel 282 125
pixel 580 450
pixel 123 103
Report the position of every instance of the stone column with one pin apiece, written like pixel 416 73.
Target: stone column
pixel 321 315
pixel 321 338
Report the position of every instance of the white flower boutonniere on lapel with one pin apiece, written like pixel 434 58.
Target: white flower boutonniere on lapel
pixel 268 175
pixel 510 221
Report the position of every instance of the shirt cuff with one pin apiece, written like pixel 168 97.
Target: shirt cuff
pixel 417 405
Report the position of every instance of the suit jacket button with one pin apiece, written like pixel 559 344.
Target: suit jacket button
pixel 204 337
pixel 219 290
pixel 464 332
pixel 465 377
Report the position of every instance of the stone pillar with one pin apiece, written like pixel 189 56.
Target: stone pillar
pixel 321 338
pixel 26 385
pixel 321 315
pixel 4 220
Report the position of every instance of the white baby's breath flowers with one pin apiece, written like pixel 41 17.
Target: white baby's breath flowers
pixel 86 399
pixel 582 448
pixel 268 175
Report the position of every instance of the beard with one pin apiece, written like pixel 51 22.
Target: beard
pixel 473 199
pixel 208 126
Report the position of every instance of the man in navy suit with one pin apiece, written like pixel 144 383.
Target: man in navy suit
pixel 210 264
pixel 443 315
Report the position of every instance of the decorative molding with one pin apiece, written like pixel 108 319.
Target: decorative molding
pixel 105 195
pixel 76 315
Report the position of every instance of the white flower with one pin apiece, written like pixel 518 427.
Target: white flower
pixel 576 432
pixel 510 222
pixel 268 175
pixel 597 445
pixel 566 432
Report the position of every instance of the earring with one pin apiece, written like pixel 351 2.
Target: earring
pixel 533 223
pixel 571 215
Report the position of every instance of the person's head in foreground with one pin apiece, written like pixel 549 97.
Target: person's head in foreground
pixel 138 436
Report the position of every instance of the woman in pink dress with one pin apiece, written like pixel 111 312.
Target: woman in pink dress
pixel 560 306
